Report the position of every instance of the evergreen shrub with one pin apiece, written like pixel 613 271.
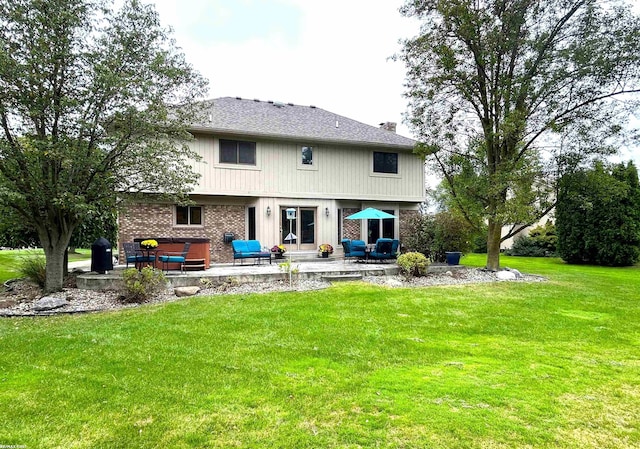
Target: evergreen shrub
pixel 598 215
pixel 540 242
pixel 412 264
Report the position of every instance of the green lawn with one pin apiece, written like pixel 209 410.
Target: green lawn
pixel 539 365
pixel 10 260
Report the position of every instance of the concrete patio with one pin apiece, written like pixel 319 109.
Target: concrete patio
pixel 333 269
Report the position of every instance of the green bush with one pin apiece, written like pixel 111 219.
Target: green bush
pixel 525 246
pixel 288 268
pixel 479 242
pixel 412 264
pixel 33 267
pixel 453 233
pixel 420 235
pixel 13 231
pixel 140 286
pixel 434 235
pixel 541 242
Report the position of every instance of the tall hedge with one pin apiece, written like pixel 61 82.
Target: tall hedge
pixel 598 215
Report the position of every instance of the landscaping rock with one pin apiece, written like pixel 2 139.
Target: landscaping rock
pixel 49 303
pixel 6 303
pixel 505 276
pixel 27 294
pixel 181 292
pixel 514 271
pixel 393 283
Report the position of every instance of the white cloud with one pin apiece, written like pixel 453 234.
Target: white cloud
pixel 332 54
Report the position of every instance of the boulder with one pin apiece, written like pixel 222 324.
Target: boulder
pixel 49 303
pixel 505 276
pixel 514 271
pixel 181 292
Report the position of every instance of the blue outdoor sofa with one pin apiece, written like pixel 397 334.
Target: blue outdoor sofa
pixel 249 249
pixel 354 248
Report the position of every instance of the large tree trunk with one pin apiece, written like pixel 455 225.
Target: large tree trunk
pixel 55 247
pixel 493 245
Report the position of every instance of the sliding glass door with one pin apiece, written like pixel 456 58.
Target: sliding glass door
pixel 384 228
pixel 299 234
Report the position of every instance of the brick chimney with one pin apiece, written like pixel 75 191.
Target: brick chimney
pixel 388 126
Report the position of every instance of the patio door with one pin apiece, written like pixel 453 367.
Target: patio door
pixel 303 228
pixel 381 228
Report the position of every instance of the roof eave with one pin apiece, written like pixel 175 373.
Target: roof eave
pixel 235 132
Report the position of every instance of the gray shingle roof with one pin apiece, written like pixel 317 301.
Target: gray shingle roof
pixel 286 121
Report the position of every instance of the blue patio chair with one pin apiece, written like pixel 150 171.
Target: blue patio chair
pixel 395 246
pixel 353 248
pixel 175 257
pixel 384 250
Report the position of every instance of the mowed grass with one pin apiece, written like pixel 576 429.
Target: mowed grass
pixel 10 260
pixel 502 365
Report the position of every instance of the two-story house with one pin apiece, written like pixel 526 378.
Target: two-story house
pixel 260 158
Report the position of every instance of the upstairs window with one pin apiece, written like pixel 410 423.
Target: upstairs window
pixel 237 152
pixel 189 215
pixel 307 155
pixel 385 162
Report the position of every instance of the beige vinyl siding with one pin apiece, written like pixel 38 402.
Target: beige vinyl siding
pixel 342 173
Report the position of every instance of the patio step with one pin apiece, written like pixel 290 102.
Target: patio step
pixel 342 277
pixel 194 264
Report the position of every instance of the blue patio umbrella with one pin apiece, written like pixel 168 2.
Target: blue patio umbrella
pixel 370 213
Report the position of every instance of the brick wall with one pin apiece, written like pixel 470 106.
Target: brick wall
pixel 350 228
pixel 156 220
pixel 221 219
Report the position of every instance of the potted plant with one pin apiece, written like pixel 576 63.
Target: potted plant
pixel 278 251
pixel 148 244
pixel 325 249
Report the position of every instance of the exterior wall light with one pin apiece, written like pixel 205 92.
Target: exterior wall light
pixel 268 211
pixel 326 211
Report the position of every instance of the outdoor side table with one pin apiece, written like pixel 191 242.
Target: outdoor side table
pixel 147 258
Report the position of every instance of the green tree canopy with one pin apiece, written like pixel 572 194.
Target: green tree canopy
pixel 504 94
pixel 93 101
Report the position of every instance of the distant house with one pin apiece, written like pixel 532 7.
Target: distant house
pixel 260 158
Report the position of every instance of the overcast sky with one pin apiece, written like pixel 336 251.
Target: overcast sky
pixel 333 54
pixel 328 53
